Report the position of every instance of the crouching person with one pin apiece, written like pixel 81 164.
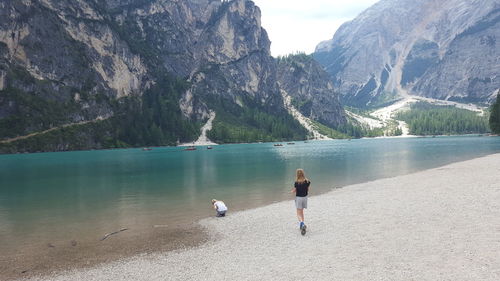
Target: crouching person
pixel 220 207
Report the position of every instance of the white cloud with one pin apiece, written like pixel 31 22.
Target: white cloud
pixel 298 25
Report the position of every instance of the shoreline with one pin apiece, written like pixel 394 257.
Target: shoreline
pixel 359 211
pixel 183 145
pixel 432 136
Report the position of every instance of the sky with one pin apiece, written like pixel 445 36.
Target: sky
pixel 299 25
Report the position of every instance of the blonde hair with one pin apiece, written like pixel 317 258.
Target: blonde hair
pixel 301 177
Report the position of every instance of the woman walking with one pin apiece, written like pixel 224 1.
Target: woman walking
pixel 301 190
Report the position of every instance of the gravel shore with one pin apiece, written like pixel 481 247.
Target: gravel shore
pixel 439 224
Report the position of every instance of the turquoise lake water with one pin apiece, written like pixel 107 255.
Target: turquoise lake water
pixel 73 195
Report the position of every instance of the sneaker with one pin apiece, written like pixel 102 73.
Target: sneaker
pixel 301 224
pixel 303 229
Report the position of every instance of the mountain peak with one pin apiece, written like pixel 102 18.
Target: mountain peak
pixel 438 49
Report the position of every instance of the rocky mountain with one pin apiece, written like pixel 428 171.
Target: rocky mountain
pixel 93 73
pixel 443 49
pixel 311 89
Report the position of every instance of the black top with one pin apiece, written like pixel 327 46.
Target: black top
pixel 302 188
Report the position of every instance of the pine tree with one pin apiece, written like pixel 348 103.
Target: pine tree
pixel 495 116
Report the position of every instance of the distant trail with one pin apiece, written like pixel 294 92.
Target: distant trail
pixel 100 118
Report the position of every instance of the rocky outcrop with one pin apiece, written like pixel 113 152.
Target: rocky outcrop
pixel 439 49
pixel 173 62
pixel 311 89
pixel 48 52
pixel 234 63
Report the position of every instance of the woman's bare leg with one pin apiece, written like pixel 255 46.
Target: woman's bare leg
pixel 300 215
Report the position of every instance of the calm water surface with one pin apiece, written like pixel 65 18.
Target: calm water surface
pixel 81 195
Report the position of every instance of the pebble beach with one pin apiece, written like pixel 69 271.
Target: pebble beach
pixel 438 224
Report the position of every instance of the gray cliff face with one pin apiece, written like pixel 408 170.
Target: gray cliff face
pixel 65 54
pixel 80 58
pixel 311 89
pixel 442 49
pixel 234 63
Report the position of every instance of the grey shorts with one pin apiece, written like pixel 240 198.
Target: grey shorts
pixel 301 202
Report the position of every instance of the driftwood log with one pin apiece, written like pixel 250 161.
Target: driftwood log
pixel 160 225
pixel 113 233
